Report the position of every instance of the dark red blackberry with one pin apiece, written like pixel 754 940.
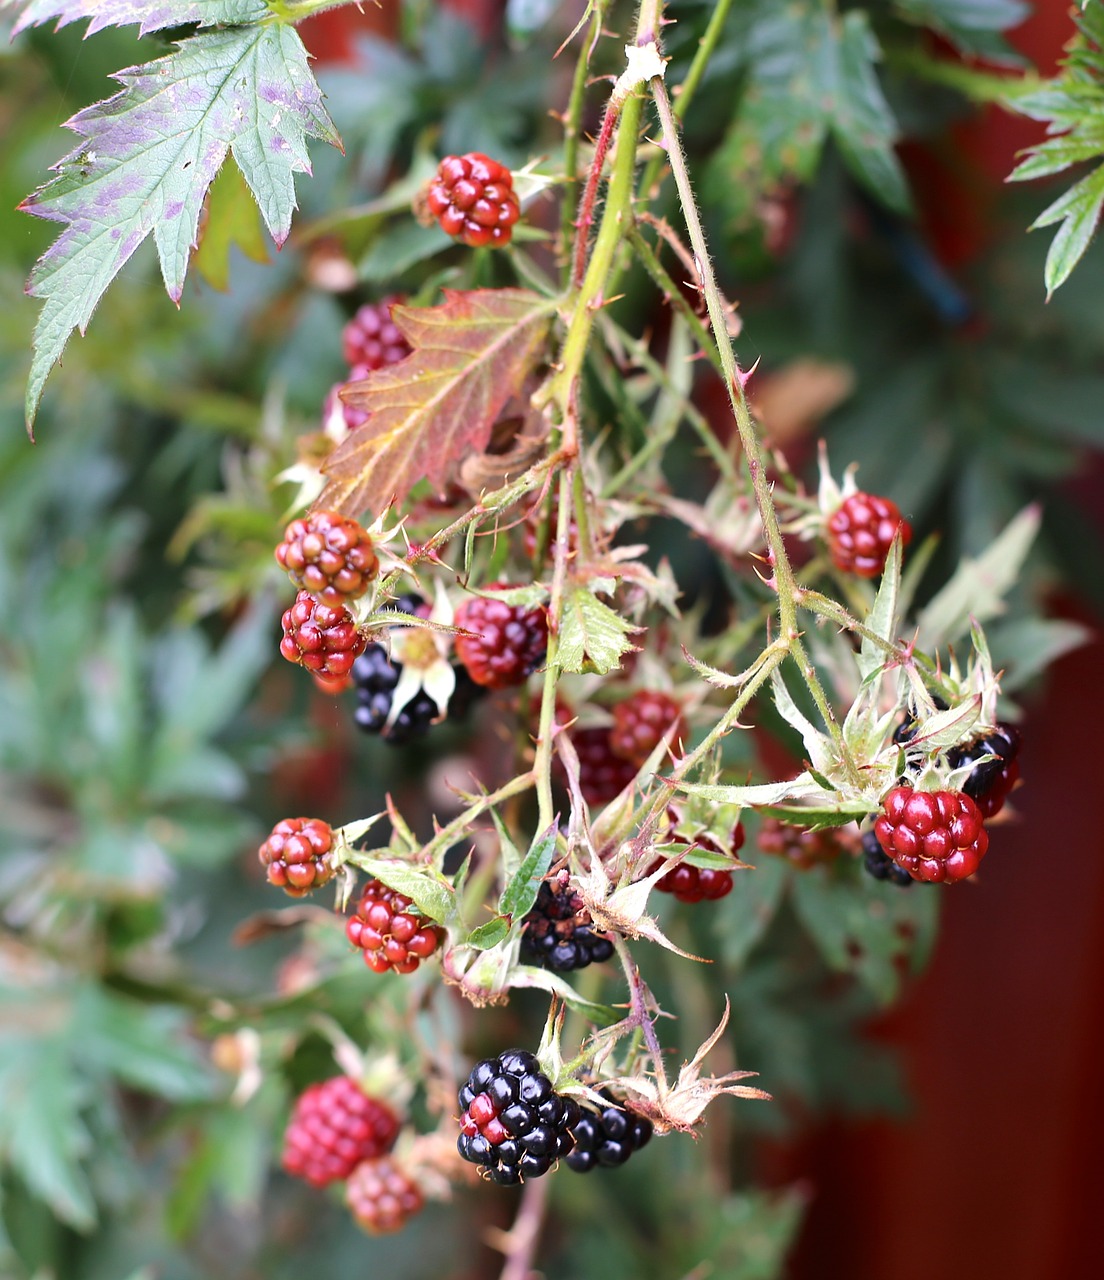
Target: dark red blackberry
pixel 606 1138
pixel 513 1124
pixel 602 775
pixel 696 884
pixel 321 637
pixel 559 933
pixel 296 856
pixel 937 836
pixel 381 1197
pixel 472 197
pixel 880 865
pixel 993 780
pixel 508 643
pixel 371 340
pixel 334 1126
pixel 802 847
pixel 860 532
pixel 641 720
pixel 328 555
pixel 391 931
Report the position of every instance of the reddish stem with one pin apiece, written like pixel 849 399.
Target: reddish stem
pixel 585 219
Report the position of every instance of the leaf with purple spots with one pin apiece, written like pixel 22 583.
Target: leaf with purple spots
pixel 148 156
pixel 148 15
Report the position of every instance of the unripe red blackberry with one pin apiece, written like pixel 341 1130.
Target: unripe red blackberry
pixel 321 637
pixel 860 532
pixel 559 933
pixel 472 197
pixel 602 775
pixel 508 641
pixel 937 836
pixel 696 884
pixel 607 1138
pixel 297 855
pixel 335 1126
pixel 328 555
pixel 641 720
pixel 391 931
pixel 513 1124
pixel 802 847
pixel 381 1197
pixel 371 339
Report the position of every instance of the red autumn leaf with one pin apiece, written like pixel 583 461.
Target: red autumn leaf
pixel 426 413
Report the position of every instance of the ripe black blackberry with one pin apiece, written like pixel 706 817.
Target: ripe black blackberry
pixel 990 783
pixel 880 865
pixel 559 933
pixel 608 1137
pixel 513 1124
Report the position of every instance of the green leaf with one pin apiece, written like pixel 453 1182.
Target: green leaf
pixel 148 156
pixel 433 896
pixel 1027 646
pixel 521 892
pixel 147 15
pixel 524 975
pixel 232 219
pixel 883 618
pixel 971 25
pixel 489 934
pixel 592 636
pixel 757 794
pixel 1079 212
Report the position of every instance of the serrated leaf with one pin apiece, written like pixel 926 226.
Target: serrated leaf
pixel 593 637
pixel 977 587
pixel 1079 211
pixel 470 355
pixel 432 895
pixel 814 818
pixel 232 219
pixel 521 892
pixel 150 153
pixel 147 15
pixel 489 934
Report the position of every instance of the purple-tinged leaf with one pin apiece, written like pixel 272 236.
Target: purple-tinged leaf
pixel 147 15
pixel 150 153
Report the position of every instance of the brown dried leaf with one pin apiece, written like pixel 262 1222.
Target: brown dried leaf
pixel 471 354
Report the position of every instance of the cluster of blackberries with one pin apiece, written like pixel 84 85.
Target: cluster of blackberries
pixel 559 933
pixel 606 1138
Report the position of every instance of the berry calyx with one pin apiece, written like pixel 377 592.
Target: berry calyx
pixel 381 1197
pixel 860 532
pixel 602 775
pixel 297 855
pixel 559 933
pixel 878 863
pixel 803 847
pixel 936 836
pixel 472 197
pixel 328 555
pixel 321 637
pixel 334 1126
pixel 608 1137
pixel 692 884
pixel 508 641
pixel 513 1123
pixel 371 339
pixel 391 931
pixel 641 721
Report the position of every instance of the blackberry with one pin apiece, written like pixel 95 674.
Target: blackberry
pixel 321 637
pixel 513 1124
pixel 508 641
pixel 472 197
pixel 692 884
pixel 607 1138
pixel 559 933
pixel 602 775
pixel 375 678
pixel 333 1127
pixel 641 721
pixel 804 848
pixel 371 340
pixel 296 856
pixel 328 555
pixel 934 835
pixel 391 931
pixel 995 778
pixel 860 532
pixel 381 1197
pixel 880 865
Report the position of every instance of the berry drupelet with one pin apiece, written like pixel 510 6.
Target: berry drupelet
pixel 989 784
pixel 607 1138
pixel 602 775
pixel 507 643
pixel 641 721
pixel 321 637
pixel 381 1197
pixel 936 836
pixel 692 884
pixel 513 1124
pixel 860 532
pixel 878 863
pixel 371 341
pixel 334 1126
pixel 472 197
pixel 297 855
pixel 328 555
pixel 391 931
pixel 559 933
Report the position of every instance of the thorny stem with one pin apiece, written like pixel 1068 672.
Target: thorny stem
pixel 783 577
pixel 639 1013
pixel 572 121
pixel 585 216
